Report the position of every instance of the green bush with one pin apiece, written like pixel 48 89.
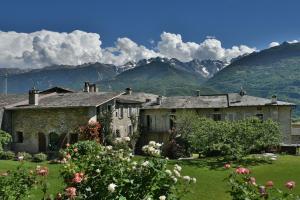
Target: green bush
pixel 7 155
pixel 24 156
pixel 104 173
pixel 5 138
pixel 231 139
pixel 40 157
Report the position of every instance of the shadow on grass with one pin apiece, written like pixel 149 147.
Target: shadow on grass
pixel 217 163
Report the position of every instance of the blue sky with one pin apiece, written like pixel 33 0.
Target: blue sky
pixel 254 23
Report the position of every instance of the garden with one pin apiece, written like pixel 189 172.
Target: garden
pixel 230 163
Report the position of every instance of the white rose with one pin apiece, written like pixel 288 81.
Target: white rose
pixel 98 170
pixel 194 180
pixel 187 178
pixel 112 187
pixel 176 173
pixel 169 172
pixel 163 197
pixel 145 164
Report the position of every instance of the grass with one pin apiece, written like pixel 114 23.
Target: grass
pixel 209 173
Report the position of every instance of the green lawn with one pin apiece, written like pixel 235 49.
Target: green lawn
pixel 210 176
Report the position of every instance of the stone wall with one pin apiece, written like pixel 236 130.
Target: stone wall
pixel 59 120
pixel 160 119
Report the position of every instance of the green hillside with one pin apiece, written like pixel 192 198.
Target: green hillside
pixel 159 78
pixel 271 71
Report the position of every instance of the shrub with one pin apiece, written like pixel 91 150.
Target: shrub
pixel 103 173
pixel 39 157
pixel 5 138
pixel 231 139
pixel 7 155
pixel 16 184
pixel 244 186
pixel 24 156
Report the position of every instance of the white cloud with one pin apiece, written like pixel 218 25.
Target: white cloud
pixel 44 48
pixel 172 46
pixel 273 44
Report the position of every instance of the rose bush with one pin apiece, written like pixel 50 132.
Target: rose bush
pixel 92 171
pixel 244 186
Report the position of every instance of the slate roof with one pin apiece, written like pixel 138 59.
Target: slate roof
pixel 136 97
pixel 63 100
pixel 9 99
pixel 57 90
pixel 212 101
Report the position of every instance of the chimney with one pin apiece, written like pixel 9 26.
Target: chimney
pixel 128 91
pixel 198 93
pixel 274 99
pixel 159 100
pixel 34 97
pixel 86 87
pixel 92 88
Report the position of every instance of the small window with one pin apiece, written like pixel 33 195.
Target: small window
pixel 19 137
pixel 217 117
pixel 109 108
pixel 172 121
pixel 118 134
pixel 129 112
pixel 73 138
pixel 260 117
pixel 217 109
pixel 116 113
pixel 130 130
pixel 148 122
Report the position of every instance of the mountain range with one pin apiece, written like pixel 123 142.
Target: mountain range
pixel 264 73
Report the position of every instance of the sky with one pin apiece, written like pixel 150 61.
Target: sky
pixel 201 25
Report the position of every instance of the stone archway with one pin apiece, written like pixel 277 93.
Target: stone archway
pixel 42 142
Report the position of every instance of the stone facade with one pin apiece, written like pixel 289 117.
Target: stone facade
pixel 156 123
pixel 31 123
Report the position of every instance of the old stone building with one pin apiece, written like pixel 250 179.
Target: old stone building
pixel 158 117
pixel 45 121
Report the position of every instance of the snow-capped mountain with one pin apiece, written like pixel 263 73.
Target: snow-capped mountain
pixel 205 68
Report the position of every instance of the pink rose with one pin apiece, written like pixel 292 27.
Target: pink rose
pixel 75 150
pixel 71 192
pixel 227 166
pixel 242 170
pixel 269 184
pixel 290 184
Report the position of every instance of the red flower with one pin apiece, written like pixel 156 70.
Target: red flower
pixel 290 184
pixel 227 166
pixel 71 192
pixel 242 170
pixel 269 184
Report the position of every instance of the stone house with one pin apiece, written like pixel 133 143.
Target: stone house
pixel 45 121
pixel 158 118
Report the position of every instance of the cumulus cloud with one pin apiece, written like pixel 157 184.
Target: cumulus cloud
pixel 126 50
pixel 45 48
pixel 273 44
pixel 172 46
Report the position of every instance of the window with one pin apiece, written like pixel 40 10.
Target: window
pixel 109 108
pixel 130 129
pixel 121 112
pixel 217 117
pixel 129 112
pixel 118 134
pixel 19 137
pixel 148 122
pixel 73 138
pixel 260 117
pixel 53 141
pixel 116 113
pixel 172 121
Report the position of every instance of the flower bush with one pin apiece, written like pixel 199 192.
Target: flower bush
pixel 16 184
pixel 5 138
pixel 24 156
pixel 244 186
pixel 92 171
